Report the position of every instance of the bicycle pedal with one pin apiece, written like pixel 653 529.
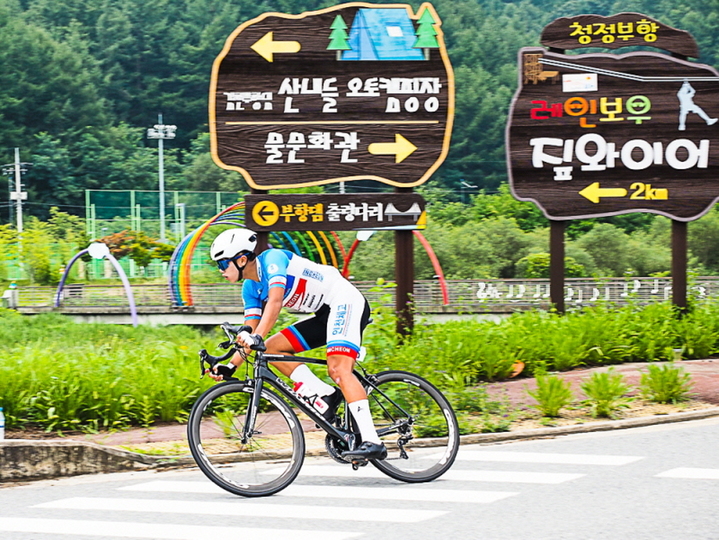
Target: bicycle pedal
pixel 356 464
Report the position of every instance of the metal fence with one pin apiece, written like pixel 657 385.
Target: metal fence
pixel 466 296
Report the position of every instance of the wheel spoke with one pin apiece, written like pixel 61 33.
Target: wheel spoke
pixel 261 464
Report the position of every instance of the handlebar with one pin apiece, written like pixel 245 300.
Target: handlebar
pixel 232 332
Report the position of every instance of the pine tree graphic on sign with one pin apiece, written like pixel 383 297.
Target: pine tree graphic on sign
pixel 338 37
pixel 426 33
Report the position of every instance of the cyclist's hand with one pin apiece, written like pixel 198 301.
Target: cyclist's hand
pixel 250 341
pixel 221 371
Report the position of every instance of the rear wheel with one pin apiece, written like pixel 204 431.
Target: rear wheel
pixel 417 425
pixel 267 461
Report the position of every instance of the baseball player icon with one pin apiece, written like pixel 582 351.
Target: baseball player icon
pixel 687 105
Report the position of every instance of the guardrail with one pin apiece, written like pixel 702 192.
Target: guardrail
pixel 466 296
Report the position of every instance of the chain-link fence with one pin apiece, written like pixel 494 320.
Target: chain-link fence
pixel 112 211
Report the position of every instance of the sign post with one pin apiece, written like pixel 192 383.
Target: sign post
pixel 353 92
pixel 600 134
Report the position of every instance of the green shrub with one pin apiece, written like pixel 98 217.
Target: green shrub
pixel 666 384
pixel 605 392
pixel 552 394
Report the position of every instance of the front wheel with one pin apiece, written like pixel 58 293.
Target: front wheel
pixel 417 425
pixel 257 464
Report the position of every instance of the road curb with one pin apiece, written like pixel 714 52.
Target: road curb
pixel 24 460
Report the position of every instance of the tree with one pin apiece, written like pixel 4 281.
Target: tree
pixel 201 173
pixel 45 85
pixel 537 265
pixel 608 246
pixel 338 37
pixel 426 33
pixel 138 246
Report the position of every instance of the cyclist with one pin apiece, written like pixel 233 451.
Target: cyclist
pixel 277 278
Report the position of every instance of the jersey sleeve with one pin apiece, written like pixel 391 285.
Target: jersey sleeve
pixel 275 268
pixel 252 300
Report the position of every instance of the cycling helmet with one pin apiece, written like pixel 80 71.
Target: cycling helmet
pixel 233 242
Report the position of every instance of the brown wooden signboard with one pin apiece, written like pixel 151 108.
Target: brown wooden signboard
pixel 622 30
pixel 603 134
pixel 353 92
pixel 332 212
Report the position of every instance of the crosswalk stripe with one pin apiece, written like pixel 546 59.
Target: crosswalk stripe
pixel 688 472
pixel 242 508
pixel 453 474
pixel 163 531
pixel 419 493
pixel 538 457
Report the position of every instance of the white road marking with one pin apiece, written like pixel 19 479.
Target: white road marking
pixel 538 457
pixel 453 474
pixel 419 493
pixel 242 508
pixel 163 531
pixel 688 472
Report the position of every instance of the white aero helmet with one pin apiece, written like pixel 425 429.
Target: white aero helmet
pixel 233 242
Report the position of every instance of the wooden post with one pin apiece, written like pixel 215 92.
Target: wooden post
pixel 404 273
pixel 263 238
pixel 679 265
pixel 556 264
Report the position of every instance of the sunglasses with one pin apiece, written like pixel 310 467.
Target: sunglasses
pixel 223 264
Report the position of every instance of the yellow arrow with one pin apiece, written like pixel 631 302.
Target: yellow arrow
pixel 593 192
pixel 265 213
pixel 401 148
pixel 266 47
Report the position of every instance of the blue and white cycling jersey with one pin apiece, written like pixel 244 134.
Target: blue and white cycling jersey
pixel 311 288
pixel 307 285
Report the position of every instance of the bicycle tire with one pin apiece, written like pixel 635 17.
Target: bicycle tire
pixel 431 435
pixel 268 462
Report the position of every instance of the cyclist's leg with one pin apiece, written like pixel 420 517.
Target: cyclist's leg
pixel 297 338
pixel 345 324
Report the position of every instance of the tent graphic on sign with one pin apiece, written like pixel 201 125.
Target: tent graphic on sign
pixel 384 34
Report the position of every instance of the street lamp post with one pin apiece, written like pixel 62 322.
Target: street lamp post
pixel 161 132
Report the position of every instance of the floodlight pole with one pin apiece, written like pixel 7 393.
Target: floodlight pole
pixel 161 132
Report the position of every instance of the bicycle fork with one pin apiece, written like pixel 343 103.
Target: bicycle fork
pixel 254 406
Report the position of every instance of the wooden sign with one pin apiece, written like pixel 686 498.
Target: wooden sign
pixel 353 92
pixel 622 30
pixel 328 212
pixel 601 134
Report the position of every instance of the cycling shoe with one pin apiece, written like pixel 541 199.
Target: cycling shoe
pixel 366 450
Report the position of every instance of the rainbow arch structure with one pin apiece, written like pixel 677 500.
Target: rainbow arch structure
pixel 316 246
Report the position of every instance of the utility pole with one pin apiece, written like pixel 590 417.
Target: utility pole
pixel 18 195
pixel 161 132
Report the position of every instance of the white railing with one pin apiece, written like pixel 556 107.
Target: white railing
pixel 469 296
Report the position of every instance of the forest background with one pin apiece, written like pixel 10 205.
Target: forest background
pixel 82 80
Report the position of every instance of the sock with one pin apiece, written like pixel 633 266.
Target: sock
pixel 361 414
pixel 315 385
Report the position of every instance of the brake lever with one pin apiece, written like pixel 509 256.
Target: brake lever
pixel 203 359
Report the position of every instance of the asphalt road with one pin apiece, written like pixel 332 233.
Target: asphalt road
pixel 658 483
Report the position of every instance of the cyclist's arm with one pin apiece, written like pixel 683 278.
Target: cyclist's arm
pixel 270 313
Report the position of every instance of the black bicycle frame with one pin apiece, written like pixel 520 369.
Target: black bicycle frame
pixel 262 374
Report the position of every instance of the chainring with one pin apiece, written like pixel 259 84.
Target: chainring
pixel 331 443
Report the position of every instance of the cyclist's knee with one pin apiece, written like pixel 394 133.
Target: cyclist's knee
pixel 339 367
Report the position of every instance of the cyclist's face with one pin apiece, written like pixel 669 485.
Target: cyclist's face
pixel 231 273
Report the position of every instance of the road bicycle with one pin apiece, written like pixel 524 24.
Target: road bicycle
pixel 246 436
